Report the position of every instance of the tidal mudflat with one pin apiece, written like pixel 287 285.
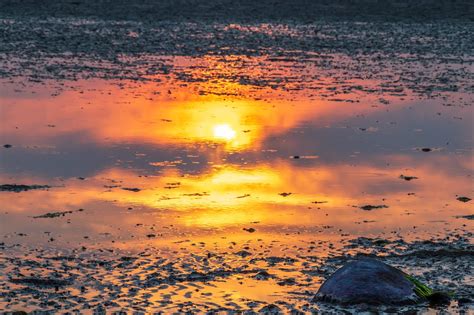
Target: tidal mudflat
pixel 219 163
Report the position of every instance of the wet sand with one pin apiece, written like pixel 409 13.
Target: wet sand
pixel 204 162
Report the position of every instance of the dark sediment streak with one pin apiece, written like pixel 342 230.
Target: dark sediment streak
pixel 243 10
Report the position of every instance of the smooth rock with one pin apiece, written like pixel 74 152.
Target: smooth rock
pixel 368 281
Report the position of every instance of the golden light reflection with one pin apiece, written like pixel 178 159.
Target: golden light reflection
pixel 224 131
pixel 231 196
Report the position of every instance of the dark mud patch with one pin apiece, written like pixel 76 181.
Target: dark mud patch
pixel 57 214
pixel 372 207
pixel 408 178
pixel 20 188
pixel 134 189
pixel 44 282
pixel 468 217
pixel 464 199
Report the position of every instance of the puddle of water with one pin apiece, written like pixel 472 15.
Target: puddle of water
pixel 162 167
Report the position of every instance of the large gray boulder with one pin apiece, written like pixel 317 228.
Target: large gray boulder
pixel 368 281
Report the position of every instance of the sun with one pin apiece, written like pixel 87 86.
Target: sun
pixel 224 131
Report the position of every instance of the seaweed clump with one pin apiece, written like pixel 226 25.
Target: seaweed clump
pixel 427 293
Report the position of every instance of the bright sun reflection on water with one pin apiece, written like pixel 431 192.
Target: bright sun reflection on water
pixel 224 131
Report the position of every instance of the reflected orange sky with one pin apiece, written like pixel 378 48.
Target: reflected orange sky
pixel 171 113
pixel 224 162
pixel 228 197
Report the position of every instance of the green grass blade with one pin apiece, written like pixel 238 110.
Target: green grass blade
pixel 421 289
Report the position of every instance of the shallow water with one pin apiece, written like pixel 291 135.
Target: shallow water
pixel 188 169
